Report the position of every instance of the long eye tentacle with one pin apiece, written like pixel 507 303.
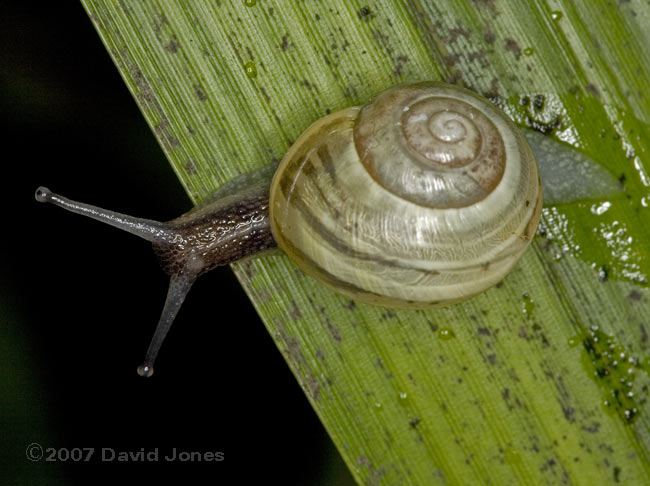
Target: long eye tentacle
pixel 179 286
pixel 217 233
pixel 150 230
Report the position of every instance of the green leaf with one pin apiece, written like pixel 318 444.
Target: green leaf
pixel 542 380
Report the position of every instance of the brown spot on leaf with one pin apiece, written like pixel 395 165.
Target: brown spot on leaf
pixel 568 413
pixel 489 4
pixel 172 46
pixel 350 305
pixel 456 32
pixel 190 167
pixel 200 94
pixel 312 387
pixel 512 46
pixel 451 59
pixel 489 36
pixel 399 64
pixel 334 331
pixel 591 428
pixel 593 90
pixel 294 311
pixel 163 134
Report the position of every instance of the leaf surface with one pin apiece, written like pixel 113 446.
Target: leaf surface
pixel 541 380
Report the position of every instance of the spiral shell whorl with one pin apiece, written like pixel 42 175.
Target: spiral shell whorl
pixel 444 136
pixel 433 136
pixel 375 241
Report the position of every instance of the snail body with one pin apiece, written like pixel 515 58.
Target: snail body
pixel 424 197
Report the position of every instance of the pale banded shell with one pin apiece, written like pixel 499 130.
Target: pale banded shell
pixel 426 196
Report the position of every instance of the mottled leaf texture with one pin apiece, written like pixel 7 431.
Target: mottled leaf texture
pixel 539 381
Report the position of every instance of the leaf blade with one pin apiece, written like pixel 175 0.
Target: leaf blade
pixel 403 401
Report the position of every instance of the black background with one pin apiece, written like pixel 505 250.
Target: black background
pixel 80 300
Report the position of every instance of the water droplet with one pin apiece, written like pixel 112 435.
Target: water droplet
pixel 528 305
pixel 556 15
pixel 612 368
pixel 529 51
pixel 600 209
pixel 251 70
pixel 573 341
pixel 603 275
pixel 250 3
pixel 446 334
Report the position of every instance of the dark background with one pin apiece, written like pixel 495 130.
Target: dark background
pixel 79 300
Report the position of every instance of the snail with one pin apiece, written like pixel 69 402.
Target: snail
pixel 426 196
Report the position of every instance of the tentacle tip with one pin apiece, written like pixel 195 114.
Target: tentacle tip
pixel 42 194
pixel 145 370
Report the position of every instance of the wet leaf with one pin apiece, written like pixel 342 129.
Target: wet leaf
pixel 541 380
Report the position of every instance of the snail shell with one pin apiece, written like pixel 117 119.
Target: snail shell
pixel 424 197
